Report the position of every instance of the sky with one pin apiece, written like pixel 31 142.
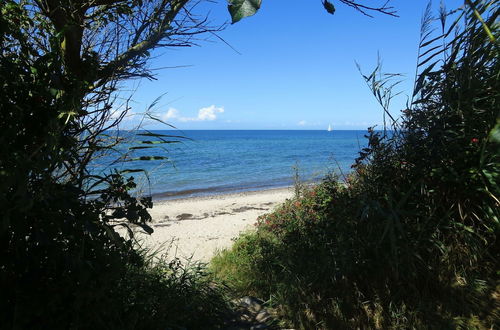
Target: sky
pixel 291 66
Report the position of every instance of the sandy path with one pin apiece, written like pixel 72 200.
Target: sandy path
pixel 198 227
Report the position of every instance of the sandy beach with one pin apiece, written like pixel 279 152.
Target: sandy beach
pixel 197 227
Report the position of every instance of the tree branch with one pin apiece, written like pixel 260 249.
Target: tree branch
pixel 151 41
pixel 384 9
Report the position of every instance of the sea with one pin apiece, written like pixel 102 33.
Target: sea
pixel 207 162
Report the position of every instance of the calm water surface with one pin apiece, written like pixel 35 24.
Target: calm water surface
pixel 230 161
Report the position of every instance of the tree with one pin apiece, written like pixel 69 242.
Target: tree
pixel 63 264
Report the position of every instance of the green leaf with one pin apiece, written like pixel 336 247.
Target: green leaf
pixel 495 133
pixel 54 91
pixel 243 8
pixel 158 142
pixel 160 135
pixel 132 171
pixel 330 8
pixel 141 147
pixel 146 228
pixel 147 158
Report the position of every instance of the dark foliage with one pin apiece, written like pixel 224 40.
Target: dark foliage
pixel 410 240
pixel 62 264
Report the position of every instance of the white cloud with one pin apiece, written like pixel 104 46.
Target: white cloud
pixel 308 123
pixel 209 113
pixel 204 114
pixel 360 123
pixel 171 113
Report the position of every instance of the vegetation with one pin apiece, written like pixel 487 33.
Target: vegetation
pixel 409 240
pixel 63 265
pixel 240 9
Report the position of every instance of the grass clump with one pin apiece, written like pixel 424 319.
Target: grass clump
pixel 171 295
pixel 410 240
pixel 93 282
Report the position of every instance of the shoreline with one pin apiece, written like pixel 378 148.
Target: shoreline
pixel 211 192
pixel 195 228
pixel 215 194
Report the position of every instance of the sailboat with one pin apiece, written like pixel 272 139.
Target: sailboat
pixel 329 128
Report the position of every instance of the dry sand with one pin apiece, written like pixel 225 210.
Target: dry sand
pixel 199 227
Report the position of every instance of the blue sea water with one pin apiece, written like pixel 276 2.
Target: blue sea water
pixel 211 161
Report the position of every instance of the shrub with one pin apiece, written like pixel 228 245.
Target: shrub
pixel 410 241
pixel 62 264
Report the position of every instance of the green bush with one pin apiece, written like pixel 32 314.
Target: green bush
pixel 410 240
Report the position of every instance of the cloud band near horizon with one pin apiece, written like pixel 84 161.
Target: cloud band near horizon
pixel 204 114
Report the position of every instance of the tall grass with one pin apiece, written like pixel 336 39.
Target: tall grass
pixel 411 240
pixel 168 294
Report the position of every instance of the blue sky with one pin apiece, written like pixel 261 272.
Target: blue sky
pixel 294 69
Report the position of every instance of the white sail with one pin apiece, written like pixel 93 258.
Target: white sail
pixel 329 128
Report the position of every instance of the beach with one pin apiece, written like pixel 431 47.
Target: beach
pixel 196 228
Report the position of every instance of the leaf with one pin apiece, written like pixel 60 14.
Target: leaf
pixel 147 158
pixel 118 213
pixel 129 170
pixel 158 142
pixel 146 228
pixel 140 147
pixel 160 135
pixel 495 133
pixel 430 58
pixel 330 8
pixel 427 43
pixel 421 78
pixel 243 8
pixel 54 91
